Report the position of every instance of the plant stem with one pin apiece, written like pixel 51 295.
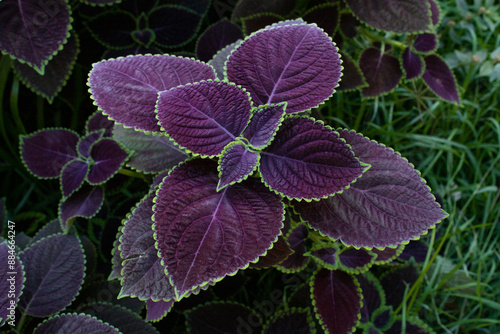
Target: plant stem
pixel 14 105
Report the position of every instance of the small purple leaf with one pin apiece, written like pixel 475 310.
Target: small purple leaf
pixel 425 42
pixel 217 37
pixel 326 16
pixel 204 117
pixel 296 238
pixel 108 157
pixel 434 12
pixel 415 249
pixel 235 164
pixel 54 268
pixel 325 256
pixel 387 254
pixel 99 121
pixel 412 64
pixel 307 160
pixel 85 203
pixel 439 78
pixel 297 321
pixel 277 254
pixel 74 323
pixel 72 176
pixel 298 64
pixel 259 21
pixel 336 300
pixel 352 77
pixel 158 310
pixel 11 281
pixel 219 60
pixel 203 235
pixel 382 72
pixel 263 125
pixel 47 151
pixel 356 260
pixel 86 142
pixel 126 89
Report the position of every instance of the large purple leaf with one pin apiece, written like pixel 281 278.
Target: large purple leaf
pixel 307 160
pixel 143 273
pixel 108 157
pixel 425 42
pixel 297 261
pixel 390 204
pixel 203 235
pixel 74 323
pixel 204 117
pixel 336 300
pixel 85 203
pixel 157 310
pixel 382 72
pixel 73 175
pixel 219 60
pixel 402 16
pixel 298 64
pixel 54 268
pixel 280 251
pixel 47 151
pixel 263 125
pixel 439 78
pixel 217 37
pixel 126 89
pixel 297 321
pixel 33 31
pixel 235 164
pixel 11 280
pixel 412 64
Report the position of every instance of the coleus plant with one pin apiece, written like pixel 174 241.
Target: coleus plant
pixel 257 157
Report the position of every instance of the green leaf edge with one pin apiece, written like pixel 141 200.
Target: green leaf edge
pixel 286 270
pixel 272 246
pixel 101 4
pixel 405 75
pixel 454 79
pixel 416 321
pixel 81 184
pixel 319 261
pixel 257 109
pixel 165 314
pixel 357 270
pixel 363 96
pixel 23 273
pixel 244 20
pixel 129 154
pixel 325 5
pixel 290 311
pixel 116 251
pixel 88 23
pixel 59 211
pixel 74 313
pixel 219 166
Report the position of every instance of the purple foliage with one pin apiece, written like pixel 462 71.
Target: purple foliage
pixel 236 164
pixel 85 203
pixel 439 78
pixel 381 71
pixel 290 321
pixel 425 42
pixel 263 125
pixel 412 64
pixel 326 255
pixel 217 37
pixel 157 310
pixel 297 240
pixel 74 323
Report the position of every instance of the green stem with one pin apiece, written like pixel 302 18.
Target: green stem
pixel 14 105
pixel 374 37
pixel 132 173
pixel 21 322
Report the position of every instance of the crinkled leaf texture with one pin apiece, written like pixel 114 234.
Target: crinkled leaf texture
pixel 12 280
pixel 204 117
pixel 85 203
pixel 74 323
pixel 108 157
pixel 236 164
pixel 126 89
pixel 412 64
pixel 298 64
pixel 336 299
pixel 402 16
pixel 381 71
pixel 297 321
pixel 307 160
pixel 55 268
pixel 439 78
pixel 263 125
pixel 157 310
pixel 33 31
pixel 389 205
pixel 203 235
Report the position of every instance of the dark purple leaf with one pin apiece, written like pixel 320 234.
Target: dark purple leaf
pixel 291 321
pixel 47 151
pixel 11 280
pixel 412 64
pixel 415 249
pixel 144 37
pixel 126 89
pixel 356 260
pixel 51 228
pixel 352 77
pixel 180 27
pixel 382 72
pixel 113 28
pixel 434 12
pixel 412 326
pixel 277 254
pixel 387 254
pixel 204 117
pixel 296 238
pixel 203 235
pixel 108 157
pixel 336 299
pixel 235 164
pixel 401 16
pixel 33 31
pixel 116 258
pixel 143 273
pixel 54 268
pixel 298 64
pixel 74 323
pixel 150 153
pixel 425 42
pixel 383 317
pixel 349 25
pixel 85 203
pixel 373 295
pixel 56 73
pixel 158 310
pixel 307 160
pixel 99 121
pixel 246 8
pixel 199 6
pixel 388 205
pixel 263 125
pixel 86 142
pixel 439 78
pixel 219 60
pixel 217 37
pixel 72 176
pixel 326 16
pixel 325 256
pixel 223 317
pixel 101 2
pixel 22 240
pixel 259 21
pixel 395 283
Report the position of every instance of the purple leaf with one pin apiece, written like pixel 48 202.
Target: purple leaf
pixel 203 235
pixel 390 204
pixel 11 281
pixel 158 310
pixel 56 73
pixel 108 157
pixel 259 21
pixel 387 254
pixel 277 254
pixel 116 258
pixel 402 16
pixel 72 176
pixel 439 78
pixel 97 122
pixel 297 321
pixel 54 268
pixel 100 2
pixel 150 153
pixel 325 256
pixel 336 300
pixel 246 8
pixel 85 203
pixel 263 125
pixel 112 28
pixel 412 64
pixel 298 64
pixel 356 260
pixel 219 60
pixel 373 295
pixel 434 12
pixel 352 77
pixel 217 37
pixel 235 164
pixel 326 16
pixel 33 31
pixel 395 283
pixel 47 151
pixel 425 42
pixel 126 89
pixel 51 228
pixel 143 273
pixel 415 249
pixel 307 160
pixel 204 117
pixel 382 72
pixel 296 238
pixel 74 323
pixel 86 142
